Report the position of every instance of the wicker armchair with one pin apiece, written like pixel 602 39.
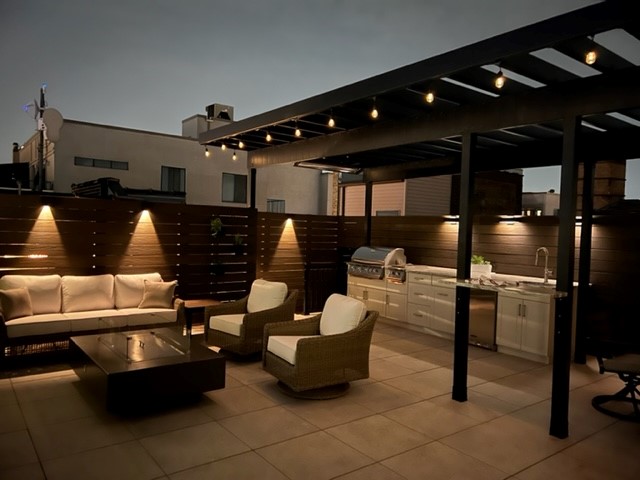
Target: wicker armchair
pixel 247 339
pixel 324 363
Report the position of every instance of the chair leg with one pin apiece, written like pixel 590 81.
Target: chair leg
pixel 628 394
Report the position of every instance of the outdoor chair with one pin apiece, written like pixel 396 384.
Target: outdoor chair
pixel 318 356
pixel 627 367
pixel 238 326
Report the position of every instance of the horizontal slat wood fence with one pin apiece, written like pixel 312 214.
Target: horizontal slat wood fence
pixel 82 236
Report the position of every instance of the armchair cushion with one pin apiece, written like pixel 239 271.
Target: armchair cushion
pixel 341 314
pixel 157 294
pixel 265 295
pixel 229 323
pixel 15 303
pixel 284 346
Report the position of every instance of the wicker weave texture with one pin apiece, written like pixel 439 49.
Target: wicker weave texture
pixel 251 331
pixel 323 360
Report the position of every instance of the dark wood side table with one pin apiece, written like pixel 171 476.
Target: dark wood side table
pixel 197 306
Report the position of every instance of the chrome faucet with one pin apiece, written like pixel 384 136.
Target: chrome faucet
pixel 545 252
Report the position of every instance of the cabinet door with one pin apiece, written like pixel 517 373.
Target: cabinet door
pixel 535 327
pixel 443 311
pixel 418 314
pixel 421 294
pixel 509 322
pixel 375 300
pixel 355 291
pixel 396 308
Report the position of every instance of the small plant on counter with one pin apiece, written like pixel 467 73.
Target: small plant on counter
pixel 479 260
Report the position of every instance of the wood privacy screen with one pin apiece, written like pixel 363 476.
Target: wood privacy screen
pixel 84 236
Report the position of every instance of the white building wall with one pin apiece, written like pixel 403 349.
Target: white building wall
pixel 146 153
pixel 298 187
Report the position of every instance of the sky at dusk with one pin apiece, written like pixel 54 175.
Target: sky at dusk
pixel 148 65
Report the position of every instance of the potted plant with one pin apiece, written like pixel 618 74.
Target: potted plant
pixel 216 227
pixel 480 266
pixel 238 243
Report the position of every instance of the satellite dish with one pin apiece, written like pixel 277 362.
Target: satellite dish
pixel 53 120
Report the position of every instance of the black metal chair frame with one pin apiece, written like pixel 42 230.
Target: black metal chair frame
pixel 627 367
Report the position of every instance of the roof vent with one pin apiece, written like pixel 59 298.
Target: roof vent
pixel 216 112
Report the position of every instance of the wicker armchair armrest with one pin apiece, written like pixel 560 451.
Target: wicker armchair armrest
pixel 227 308
pixel 178 304
pixel 338 350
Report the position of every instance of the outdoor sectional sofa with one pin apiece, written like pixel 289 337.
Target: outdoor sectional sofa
pixel 46 308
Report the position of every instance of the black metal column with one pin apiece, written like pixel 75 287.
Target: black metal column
pixel 465 230
pixel 368 204
pixel 559 424
pixel 584 266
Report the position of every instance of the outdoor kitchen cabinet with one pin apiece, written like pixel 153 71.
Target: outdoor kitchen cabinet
pixel 386 297
pixel 430 304
pixel 523 325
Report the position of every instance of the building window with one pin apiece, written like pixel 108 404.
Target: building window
pixel 275 206
pixel 99 163
pixel 173 179
pixel 387 213
pixel 234 188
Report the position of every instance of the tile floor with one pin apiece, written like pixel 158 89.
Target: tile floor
pixel 399 424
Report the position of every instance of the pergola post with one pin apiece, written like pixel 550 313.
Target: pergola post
pixel 368 204
pixel 559 424
pixel 465 230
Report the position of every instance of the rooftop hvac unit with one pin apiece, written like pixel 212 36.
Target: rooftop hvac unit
pixel 216 111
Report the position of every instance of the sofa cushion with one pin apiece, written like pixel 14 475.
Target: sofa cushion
pixel 44 290
pixel 129 288
pixel 157 294
pixel 230 323
pixel 96 320
pixel 42 324
pixel 284 346
pixel 265 295
pixel 140 317
pixel 87 292
pixel 15 303
pixel 341 314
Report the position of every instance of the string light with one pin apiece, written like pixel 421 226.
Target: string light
pixel 234 157
pixel 374 111
pixel 331 122
pixel 430 97
pixel 298 133
pixel 207 153
pixel 500 79
pixel 223 147
pixel 268 137
pixel 240 144
pixel 591 56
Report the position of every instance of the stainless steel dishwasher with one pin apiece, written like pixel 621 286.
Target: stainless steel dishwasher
pixel 482 318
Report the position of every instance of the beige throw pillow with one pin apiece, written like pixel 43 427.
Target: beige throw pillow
pixel 15 303
pixel 157 294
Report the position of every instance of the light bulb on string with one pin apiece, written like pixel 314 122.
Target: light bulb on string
pixel 223 147
pixel 234 157
pixel 430 97
pixel 500 79
pixel 207 153
pixel 268 137
pixel 240 144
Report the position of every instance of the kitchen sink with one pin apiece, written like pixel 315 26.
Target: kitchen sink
pixel 528 284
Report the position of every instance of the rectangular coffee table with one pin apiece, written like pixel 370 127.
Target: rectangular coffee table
pixel 146 368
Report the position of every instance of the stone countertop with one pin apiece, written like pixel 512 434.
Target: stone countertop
pixel 496 281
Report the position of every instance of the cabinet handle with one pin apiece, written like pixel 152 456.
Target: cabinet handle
pixel 524 311
pixel 442 294
pixel 387 299
pixel 417 314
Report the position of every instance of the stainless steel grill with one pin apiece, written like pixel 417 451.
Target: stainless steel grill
pixel 378 263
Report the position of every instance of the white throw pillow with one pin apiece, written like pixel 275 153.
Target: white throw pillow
pixel 15 303
pixel 129 288
pixel 265 295
pixel 341 314
pixel 157 294
pixel 83 293
pixel 44 290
